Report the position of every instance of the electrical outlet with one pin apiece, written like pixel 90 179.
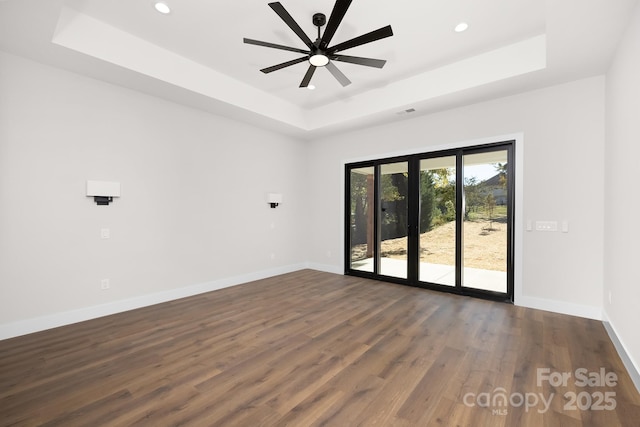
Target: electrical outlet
pixel 104 284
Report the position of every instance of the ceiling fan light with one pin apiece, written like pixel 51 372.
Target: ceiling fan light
pixel 318 60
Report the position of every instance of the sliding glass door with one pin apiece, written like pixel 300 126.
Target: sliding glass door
pixel 394 219
pixel 438 220
pixel 484 237
pixel 361 222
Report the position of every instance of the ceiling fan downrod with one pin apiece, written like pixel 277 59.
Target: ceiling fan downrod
pixel 319 20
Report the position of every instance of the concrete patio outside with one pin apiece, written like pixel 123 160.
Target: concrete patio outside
pixel 475 278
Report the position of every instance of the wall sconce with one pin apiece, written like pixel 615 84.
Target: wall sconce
pixel 103 192
pixel 274 199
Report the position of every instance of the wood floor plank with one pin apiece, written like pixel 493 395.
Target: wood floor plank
pixel 311 348
pixel 427 393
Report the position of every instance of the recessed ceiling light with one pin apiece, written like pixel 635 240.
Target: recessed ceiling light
pixel 162 8
pixel 461 27
pixel 311 87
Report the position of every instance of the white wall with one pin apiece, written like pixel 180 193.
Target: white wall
pixel 622 202
pixel 563 130
pixel 192 211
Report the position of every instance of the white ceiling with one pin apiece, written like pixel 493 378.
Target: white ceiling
pixel 195 55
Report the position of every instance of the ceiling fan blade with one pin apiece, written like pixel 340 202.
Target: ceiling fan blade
pixel 307 76
pixel 284 65
pixel 284 15
pixel 344 81
pixel 273 45
pixel 378 34
pixel 369 62
pixel 339 10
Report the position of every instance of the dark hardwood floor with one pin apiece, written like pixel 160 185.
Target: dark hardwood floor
pixel 311 348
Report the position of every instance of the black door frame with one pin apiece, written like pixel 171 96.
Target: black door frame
pixel 413 217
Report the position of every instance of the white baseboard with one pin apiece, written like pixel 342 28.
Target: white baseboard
pixel 325 268
pixel 561 307
pixel 28 326
pixel 555 306
pixel 632 367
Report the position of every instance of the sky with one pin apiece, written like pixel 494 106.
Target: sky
pixel 481 172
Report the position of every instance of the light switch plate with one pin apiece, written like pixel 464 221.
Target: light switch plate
pixel 105 233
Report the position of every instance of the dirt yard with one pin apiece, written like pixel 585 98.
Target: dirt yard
pixel 484 246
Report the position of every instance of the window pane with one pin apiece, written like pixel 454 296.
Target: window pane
pixel 438 221
pixel 485 221
pixel 394 195
pixel 362 191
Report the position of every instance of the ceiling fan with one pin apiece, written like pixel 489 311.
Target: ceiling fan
pixel 319 53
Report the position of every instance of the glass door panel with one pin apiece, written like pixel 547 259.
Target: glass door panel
pixel 393 214
pixel 362 182
pixel 485 201
pixel 437 226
